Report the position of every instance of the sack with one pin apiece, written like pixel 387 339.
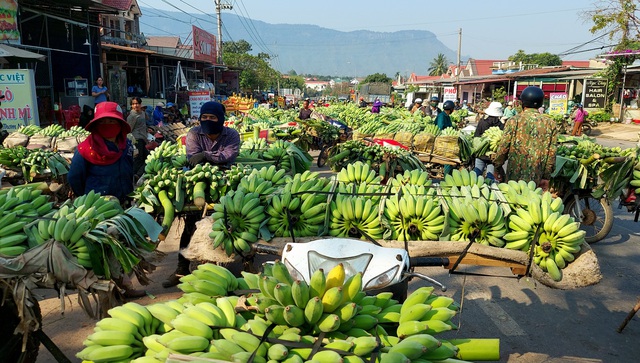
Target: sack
pixel 67 144
pixel 447 146
pixel 405 138
pixel 357 135
pixel 39 142
pixel 423 142
pixel 15 139
pixel 388 135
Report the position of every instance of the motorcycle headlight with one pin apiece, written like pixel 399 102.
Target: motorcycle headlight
pixel 381 280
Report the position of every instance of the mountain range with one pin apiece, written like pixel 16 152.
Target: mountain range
pixel 310 49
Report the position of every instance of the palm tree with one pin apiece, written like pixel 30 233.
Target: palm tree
pixel 439 65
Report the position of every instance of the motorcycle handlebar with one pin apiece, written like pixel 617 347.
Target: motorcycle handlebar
pixel 428 261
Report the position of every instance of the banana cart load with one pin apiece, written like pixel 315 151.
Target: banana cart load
pixel 87 244
pixel 514 224
pixel 589 177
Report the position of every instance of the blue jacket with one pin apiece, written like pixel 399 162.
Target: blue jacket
pixel 443 120
pixel 115 179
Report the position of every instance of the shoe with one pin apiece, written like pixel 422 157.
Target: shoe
pixel 133 293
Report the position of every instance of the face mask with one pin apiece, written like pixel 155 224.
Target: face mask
pixel 211 127
pixel 108 131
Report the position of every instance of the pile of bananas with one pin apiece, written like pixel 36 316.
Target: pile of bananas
pixel 559 238
pixel 460 178
pixel 355 327
pixel 288 156
pixel 53 130
pixel 166 155
pixel 386 162
pixel 237 219
pixel 74 131
pixel 253 148
pixel 29 130
pixel 414 216
pixel 204 184
pixel 12 157
pixel 71 223
pixel 40 161
pixel 252 183
pixel 18 207
pixel 475 213
pixel 299 208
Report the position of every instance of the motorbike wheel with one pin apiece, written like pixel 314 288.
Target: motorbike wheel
pixel 11 351
pixel 323 156
pixel 596 219
pixel 586 129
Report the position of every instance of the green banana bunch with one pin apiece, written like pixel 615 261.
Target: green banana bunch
pixel 237 219
pixel 19 206
pixel 635 181
pixel 164 156
pixel 204 184
pixel 53 130
pixel 358 173
pixel 12 157
pixel 29 130
pixel 120 336
pixel 474 211
pixel 518 193
pixel 354 216
pixel 252 183
pixel 299 209
pixel 414 217
pixel 277 177
pixel 40 161
pixel 494 135
pixel 209 279
pixel 410 177
pixel 460 178
pixel 74 131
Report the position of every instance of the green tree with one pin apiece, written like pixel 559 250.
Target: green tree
pixel 239 47
pixel 438 65
pixel 256 73
pixel 620 20
pixel 541 59
pixel 292 82
pixel 378 77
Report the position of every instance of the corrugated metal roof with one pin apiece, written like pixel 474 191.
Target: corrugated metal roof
pixel 165 42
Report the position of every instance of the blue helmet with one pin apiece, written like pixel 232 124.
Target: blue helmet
pixel 435 99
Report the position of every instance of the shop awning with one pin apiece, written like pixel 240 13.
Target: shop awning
pixel 17 54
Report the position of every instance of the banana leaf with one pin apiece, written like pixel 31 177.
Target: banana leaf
pixel 615 179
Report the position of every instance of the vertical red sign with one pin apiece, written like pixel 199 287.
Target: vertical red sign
pixel 204 45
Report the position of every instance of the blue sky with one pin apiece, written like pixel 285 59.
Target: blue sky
pixel 490 29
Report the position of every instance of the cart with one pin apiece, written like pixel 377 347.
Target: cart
pixel 324 141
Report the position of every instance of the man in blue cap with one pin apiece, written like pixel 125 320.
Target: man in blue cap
pixel 210 142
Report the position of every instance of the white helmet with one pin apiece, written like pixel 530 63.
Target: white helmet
pixel 418 100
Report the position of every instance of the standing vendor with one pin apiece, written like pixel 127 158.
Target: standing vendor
pixel 137 120
pixel 210 142
pixel 104 160
pixel 103 163
pixel 529 142
pixel 305 111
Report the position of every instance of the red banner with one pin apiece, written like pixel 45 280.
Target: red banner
pixel 204 45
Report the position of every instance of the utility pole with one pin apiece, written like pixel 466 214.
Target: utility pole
pixel 219 7
pixel 459 49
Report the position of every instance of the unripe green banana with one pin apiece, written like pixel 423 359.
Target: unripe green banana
pixel 364 345
pixel 410 348
pixel 300 293
pixel 313 311
pixel 189 344
pixel 275 314
pixel 328 323
pixel 282 293
pixel 317 283
pixel 293 315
